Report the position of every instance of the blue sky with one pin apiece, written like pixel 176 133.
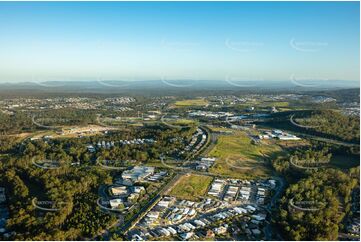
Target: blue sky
pixel 179 40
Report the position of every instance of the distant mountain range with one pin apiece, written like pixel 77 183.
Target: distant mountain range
pixel 182 85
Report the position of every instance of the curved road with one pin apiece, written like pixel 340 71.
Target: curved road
pixel 327 140
pixel 268 228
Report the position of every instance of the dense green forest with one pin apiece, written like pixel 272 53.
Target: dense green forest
pixel 307 157
pixel 25 183
pixel 334 124
pixel 316 200
pixel 31 121
pixel 324 123
pixel 75 150
pixel 19 122
pixel 327 194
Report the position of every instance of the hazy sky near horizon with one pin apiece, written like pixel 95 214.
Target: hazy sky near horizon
pixel 50 41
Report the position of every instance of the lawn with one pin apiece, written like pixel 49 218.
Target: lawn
pixel 191 102
pixel 191 187
pixel 238 157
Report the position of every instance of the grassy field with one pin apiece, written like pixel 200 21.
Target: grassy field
pixel 219 129
pixel 158 163
pixel 191 187
pixel 191 102
pixel 264 103
pixel 184 122
pixel 274 104
pixel 287 144
pixel 238 157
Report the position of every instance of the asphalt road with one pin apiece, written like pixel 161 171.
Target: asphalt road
pixel 268 231
pixel 137 217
